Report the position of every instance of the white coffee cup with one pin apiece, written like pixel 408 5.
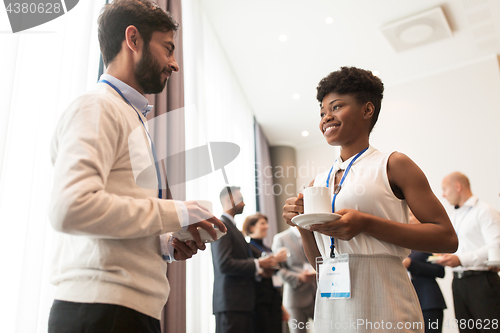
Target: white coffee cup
pixel 494 254
pixel 317 200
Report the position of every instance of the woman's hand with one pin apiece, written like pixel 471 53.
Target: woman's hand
pixel 348 226
pixel 268 262
pixel 292 208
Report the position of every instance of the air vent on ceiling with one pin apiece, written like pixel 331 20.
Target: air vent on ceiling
pixel 417 30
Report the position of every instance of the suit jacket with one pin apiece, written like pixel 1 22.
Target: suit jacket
pixel 423 277
pixel 265 291
pixel 234 272
pixel 296 294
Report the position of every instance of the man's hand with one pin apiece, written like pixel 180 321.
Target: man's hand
pixel 267 273
pixel 185 250
pixel 268 262
pixel 201 217
pixel 494 269
pixel 307 276
pixel 292 208
pixel 282 255
pixel 450 260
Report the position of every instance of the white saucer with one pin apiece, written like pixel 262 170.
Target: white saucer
pixel 306 220
pixel 185 235
pixel 495 263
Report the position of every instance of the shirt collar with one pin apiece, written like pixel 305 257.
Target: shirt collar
pixel 471 202
pixel 229 217
pixel 133 96
pixel 342 165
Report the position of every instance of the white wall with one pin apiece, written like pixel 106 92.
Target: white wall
pixel 445 122
pixel 448 121
pixel 216 111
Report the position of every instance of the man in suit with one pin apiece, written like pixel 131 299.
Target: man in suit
pixel 300 284
pixel 235 270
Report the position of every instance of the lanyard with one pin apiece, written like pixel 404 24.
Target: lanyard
pixel 337 190
pixel 158 175
pixel 258 246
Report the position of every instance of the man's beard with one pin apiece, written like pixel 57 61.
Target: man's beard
pixel 148 73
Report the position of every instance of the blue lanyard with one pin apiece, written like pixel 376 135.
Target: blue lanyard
pixel 158 175
pixel 337 190
pixel 258 246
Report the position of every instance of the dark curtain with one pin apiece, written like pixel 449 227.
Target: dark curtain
pixel 264 183
pixel 169 139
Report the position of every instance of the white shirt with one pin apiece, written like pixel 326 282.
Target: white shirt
pixel 367 189
pixel 478 229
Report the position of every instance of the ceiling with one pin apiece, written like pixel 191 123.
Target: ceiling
pixel 271 71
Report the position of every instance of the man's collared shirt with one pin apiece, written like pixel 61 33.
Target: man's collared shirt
pixel 478 229
pixel 133 96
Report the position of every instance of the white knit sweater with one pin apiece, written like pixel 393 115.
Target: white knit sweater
pixel 108 248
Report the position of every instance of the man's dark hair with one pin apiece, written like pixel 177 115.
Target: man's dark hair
pixel 361 84
pixel 115 17
pixel 228 190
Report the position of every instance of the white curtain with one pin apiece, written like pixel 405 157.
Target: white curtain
pixel 216 110
pixel 43 70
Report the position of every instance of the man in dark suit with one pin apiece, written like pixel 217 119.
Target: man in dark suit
pixel 235 270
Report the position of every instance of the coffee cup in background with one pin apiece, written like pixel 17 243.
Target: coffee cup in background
pixel 317 200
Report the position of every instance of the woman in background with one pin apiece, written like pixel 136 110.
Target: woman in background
pixel 268 314
pixel 423 276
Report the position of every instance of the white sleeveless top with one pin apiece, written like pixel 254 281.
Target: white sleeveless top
pixel 366 188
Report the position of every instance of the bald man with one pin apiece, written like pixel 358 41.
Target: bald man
pixel 476 290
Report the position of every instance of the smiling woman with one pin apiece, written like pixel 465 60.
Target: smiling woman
pixel 371 191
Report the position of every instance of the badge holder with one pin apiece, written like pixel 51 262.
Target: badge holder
pixel 319 262
pixel 334 279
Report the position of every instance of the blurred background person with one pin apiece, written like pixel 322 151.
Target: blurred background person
pixel 268 311
pixel 235 270
pixel 476 290
pixel 299 288
pixel 423 276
